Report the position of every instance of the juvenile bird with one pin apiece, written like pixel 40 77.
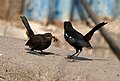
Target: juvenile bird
pixel 38 41
pixel 76 39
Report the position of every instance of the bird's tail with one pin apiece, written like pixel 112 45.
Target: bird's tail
pixel 88 36
pixel 29 33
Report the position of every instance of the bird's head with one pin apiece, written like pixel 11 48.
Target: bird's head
pixel 48 35
pixel 67 25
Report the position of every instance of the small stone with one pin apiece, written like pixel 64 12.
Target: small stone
pixel 118 75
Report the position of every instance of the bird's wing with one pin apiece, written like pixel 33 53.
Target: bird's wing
pixel 36 39
pixel 76 39
pixel 81 43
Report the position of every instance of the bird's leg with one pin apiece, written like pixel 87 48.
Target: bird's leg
pixel 73 54
pixel 32 49
pixel 42 52
pixel 77 55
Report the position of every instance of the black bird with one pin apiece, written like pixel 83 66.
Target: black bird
pixel 38 41
pixel 76 39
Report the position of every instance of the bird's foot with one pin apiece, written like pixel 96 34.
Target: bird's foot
pixel 73 58
pixel 69 57
pixel 42 52
pixel 32 49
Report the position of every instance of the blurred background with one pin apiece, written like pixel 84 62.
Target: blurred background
pixel 49 15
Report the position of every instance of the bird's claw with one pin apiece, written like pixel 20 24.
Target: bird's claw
pixel 69 57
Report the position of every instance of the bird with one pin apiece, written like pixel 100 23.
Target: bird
pixel 76 39
pixel 37 41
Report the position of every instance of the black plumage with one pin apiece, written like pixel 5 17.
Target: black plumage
pixel 76 39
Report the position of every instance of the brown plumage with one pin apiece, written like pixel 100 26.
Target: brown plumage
pixel 38 41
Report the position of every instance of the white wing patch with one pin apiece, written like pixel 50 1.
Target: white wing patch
pixel 66 35
pixel 72 39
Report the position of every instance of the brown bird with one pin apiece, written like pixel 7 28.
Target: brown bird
pixel 38 41
pixel 76 39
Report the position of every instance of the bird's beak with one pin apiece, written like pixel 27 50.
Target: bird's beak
pixel 55 39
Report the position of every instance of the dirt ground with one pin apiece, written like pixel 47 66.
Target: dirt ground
pixel 17 63
pixel 16 29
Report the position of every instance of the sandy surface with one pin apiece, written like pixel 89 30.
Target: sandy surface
pixel 17 63
pixel 101 49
